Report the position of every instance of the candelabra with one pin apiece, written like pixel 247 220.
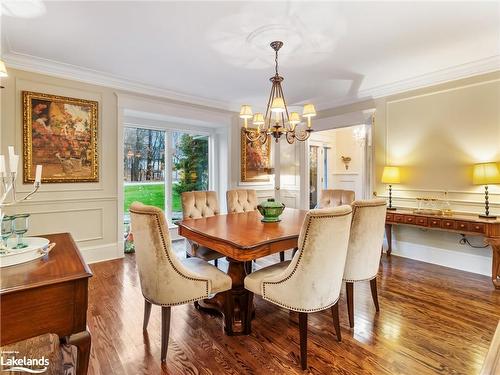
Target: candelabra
pixel 8 193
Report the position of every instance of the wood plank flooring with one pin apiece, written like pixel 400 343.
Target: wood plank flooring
pixel 432 320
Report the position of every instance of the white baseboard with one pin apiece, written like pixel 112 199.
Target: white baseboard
pixel 447 258
pixel 93 254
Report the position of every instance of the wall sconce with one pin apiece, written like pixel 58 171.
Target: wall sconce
pixel 346 160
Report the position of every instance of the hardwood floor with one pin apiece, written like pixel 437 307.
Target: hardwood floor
pixel 432 320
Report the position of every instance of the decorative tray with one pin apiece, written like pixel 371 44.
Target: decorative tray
pixel 37 248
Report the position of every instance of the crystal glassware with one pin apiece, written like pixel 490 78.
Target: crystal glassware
pixel 6 231
pixel 20 228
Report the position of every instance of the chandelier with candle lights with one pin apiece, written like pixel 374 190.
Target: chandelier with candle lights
pixel 277 121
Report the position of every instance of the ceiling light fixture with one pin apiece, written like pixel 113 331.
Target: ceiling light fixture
pixel 283 123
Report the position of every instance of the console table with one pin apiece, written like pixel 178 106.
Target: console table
pixel 48 295
pixel 469 224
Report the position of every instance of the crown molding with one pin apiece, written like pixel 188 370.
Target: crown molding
pixel 36 64
pixel 77 73
pixel 474 68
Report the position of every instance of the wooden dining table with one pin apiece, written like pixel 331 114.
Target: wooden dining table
pixel 241 237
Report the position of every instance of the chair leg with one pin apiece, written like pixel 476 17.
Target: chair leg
pixel 336 322
pixel 147 313
pixel 282 256
pixel 349 288
pixel 373 287
pixel 165 331
pixel 303 339
pixel 216 262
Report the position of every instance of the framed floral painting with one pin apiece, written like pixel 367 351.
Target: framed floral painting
pixel 60 133
pixel 255 160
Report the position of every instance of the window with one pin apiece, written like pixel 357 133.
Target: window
pixel 159 165
pixel 190 158
pixel 144 167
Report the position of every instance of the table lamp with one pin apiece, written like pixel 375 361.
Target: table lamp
pixel 486 174
pixel 390 176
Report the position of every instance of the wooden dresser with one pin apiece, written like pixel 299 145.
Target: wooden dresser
pixel 469 224
pixel 48 295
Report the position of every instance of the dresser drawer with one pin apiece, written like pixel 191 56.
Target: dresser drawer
pixel 422 221
pixel 435 223
pixel 462 225
pixel 448 224
pixel 399 218
pixel 409 219
pixel 477 227
pixel 389 217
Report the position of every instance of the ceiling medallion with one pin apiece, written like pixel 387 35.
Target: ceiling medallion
pixel 282 123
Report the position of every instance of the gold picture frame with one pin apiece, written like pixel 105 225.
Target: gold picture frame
pixel 60 133
pixel 255 160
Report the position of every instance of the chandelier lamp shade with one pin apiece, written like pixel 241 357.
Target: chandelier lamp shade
pixel 277 121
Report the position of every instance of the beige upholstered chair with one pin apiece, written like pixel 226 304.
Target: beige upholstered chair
pixel 244 200
pixel 195 205
pixel 363 255
pixel 312 280
pixel 241 200
pixel 166 280
pixel 335 197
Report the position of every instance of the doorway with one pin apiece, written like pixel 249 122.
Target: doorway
pixel 340 159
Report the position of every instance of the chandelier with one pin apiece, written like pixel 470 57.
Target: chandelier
pixel 277 121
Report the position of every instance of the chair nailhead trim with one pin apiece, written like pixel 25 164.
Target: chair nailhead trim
pixel 295 269
pixel 172 264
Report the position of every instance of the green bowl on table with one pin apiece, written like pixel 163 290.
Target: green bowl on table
pixel 271 210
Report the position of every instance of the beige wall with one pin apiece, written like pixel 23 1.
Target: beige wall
pixel 87 210
pixel 435 134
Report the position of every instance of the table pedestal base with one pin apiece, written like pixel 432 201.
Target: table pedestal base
pixel 233 304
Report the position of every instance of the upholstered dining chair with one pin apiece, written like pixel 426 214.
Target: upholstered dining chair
pixel 363 254
pixel 335 197
pixel 165 280
pixel 195 205
pixel 244 200
pixel 312 280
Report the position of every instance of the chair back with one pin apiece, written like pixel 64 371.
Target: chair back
pixel 241 200
pixel 365 242
pixel 198 204
pixel 313 279
pixel 164 279
pixel 335 197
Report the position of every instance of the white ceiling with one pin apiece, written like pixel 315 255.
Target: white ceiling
pixel 334 51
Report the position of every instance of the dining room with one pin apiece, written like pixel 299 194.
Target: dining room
pixel 186 188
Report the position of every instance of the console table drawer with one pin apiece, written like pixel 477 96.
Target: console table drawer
pixel 462 225
pixel 477 227
pixel 399 218
pixel 422 221
pixel 410 219
pixel 389 217
pixel 448 224
pixel 435 223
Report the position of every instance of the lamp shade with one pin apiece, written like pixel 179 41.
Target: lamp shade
pixel 246 111
pixel 278 105
pixel 3 69
pixel 294 118
pixel 486 174
pixel 309 110
pixel 258 119
pixel 391 175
